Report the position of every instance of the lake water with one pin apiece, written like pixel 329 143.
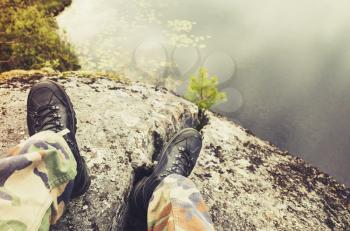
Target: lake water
pixel 285 65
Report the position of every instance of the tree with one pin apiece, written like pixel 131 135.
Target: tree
pixel 29 36
pixel 203 90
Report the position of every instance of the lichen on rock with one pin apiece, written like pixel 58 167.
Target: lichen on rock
pixel 247 183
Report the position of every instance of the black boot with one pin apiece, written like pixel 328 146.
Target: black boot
pixel 178 156
pixel 49 108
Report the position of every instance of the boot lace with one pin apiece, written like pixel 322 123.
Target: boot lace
pixel 182 164
pixel 47 118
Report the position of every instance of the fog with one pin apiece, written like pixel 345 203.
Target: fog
pixel 284 64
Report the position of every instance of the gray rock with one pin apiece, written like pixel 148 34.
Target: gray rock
pixel 247 183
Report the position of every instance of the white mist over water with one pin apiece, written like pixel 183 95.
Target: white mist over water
pixel 284 64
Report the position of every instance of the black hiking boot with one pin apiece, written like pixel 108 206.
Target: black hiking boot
pixel 49 108
pixel 178 156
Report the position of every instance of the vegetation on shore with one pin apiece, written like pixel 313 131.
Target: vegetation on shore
pixel 30 40
pixel 49 72
pixel 29 36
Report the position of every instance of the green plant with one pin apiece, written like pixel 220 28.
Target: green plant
pixel 203 91
pixel 29 36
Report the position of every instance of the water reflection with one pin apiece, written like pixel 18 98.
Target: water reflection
pixel 285 64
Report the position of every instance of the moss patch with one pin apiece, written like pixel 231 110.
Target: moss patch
pixel 25 76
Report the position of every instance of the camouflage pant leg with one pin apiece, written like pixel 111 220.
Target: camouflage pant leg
pixel 176 204
pixel 36 182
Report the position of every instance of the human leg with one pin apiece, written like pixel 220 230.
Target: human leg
pixel 36 182
pixel 176 204
pixel 46 171
pixel 170 200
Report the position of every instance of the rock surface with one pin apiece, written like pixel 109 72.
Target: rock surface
pixel 247 183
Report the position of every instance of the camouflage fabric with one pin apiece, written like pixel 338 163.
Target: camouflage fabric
pixel 36 182
pixel 176 204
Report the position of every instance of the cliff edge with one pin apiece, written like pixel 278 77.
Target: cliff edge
pixel 247 183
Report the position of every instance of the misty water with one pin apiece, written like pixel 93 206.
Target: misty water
pixel 285 65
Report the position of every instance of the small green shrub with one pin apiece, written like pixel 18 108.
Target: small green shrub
pixel 29 36
pixel 203 91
